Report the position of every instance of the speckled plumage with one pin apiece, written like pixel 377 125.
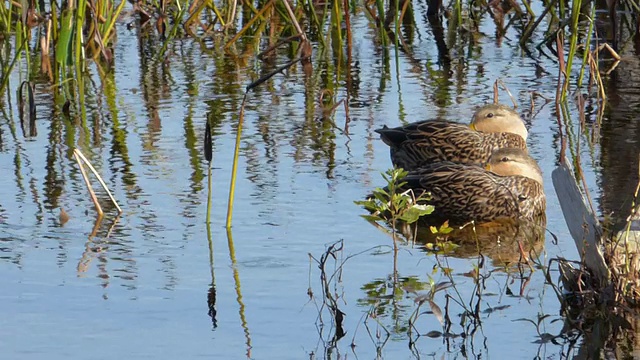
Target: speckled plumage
pixel 461 193
pixel 419 144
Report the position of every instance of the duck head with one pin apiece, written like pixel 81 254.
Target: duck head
pixel 512 162
pixel 496 118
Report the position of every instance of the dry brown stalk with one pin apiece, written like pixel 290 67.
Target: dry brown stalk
pixel 294 20
pixel 77 153
pixel 88 183
pixel 504 86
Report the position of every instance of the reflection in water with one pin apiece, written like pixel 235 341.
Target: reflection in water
pixel 92 247
pixel 398 303
pixel 142 125
pixel 620 142
pixel 506 242
pixel 385 300
pixel 442 309
pixel 236 278
pixel 211 294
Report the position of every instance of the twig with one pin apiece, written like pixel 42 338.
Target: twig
pixel 611 51
pixel 271 48
pixel 86 181
pixel 271 74
pixel 515 104
pixel 104 186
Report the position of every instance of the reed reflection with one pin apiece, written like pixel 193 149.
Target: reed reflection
pixel 211 293
pixel 620 143
pixel 236 278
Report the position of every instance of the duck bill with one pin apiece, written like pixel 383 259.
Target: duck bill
pixel 487 167
pixel 472 126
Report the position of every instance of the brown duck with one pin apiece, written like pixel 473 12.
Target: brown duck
pixel 492 127
pixel 510 187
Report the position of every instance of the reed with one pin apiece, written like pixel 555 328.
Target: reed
pixel 94 198
pixel 234 169
pixel 80 159
pixel 208 154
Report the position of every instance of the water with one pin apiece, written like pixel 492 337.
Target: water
pixel 155 283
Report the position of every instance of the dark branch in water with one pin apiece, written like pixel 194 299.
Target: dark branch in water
pixel 271 74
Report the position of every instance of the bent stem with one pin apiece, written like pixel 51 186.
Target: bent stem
pixel 78 153
pixel 88 183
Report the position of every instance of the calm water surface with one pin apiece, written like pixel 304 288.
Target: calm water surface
pixel 157 284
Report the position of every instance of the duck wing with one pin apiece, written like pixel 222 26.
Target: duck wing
pixel 418 144
pixel 461 193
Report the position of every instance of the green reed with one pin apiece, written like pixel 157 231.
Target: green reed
pixel 573 42
pixel 585 55
pixel 208 155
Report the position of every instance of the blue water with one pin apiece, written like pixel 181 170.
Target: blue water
pixel 139 287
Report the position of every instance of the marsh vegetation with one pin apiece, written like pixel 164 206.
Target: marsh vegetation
pixel 218 233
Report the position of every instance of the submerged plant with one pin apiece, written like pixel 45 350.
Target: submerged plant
pixel 391 204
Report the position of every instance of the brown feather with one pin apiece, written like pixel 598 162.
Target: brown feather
pixel 419 144
pixel 461 193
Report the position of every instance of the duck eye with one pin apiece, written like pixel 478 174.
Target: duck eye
pixel 490 115
pixel 504 159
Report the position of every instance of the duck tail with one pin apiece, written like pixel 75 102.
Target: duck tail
pixel 392 136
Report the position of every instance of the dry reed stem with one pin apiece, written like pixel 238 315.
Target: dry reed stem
pixel 294 20
pixel 232 15
pixel 504 86
pixel 249 24
pixel 89 187
pixel 611 51
pixel 347 22
pixel 77 152
pixel 529 30
pixel 602 96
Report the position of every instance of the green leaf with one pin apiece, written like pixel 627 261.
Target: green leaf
pixel 445 230
pixel 413 213
pixel 63 48
pixel 372 217
pixel 448 246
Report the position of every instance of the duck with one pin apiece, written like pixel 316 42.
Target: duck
pixel 493 126
pixel 509 186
